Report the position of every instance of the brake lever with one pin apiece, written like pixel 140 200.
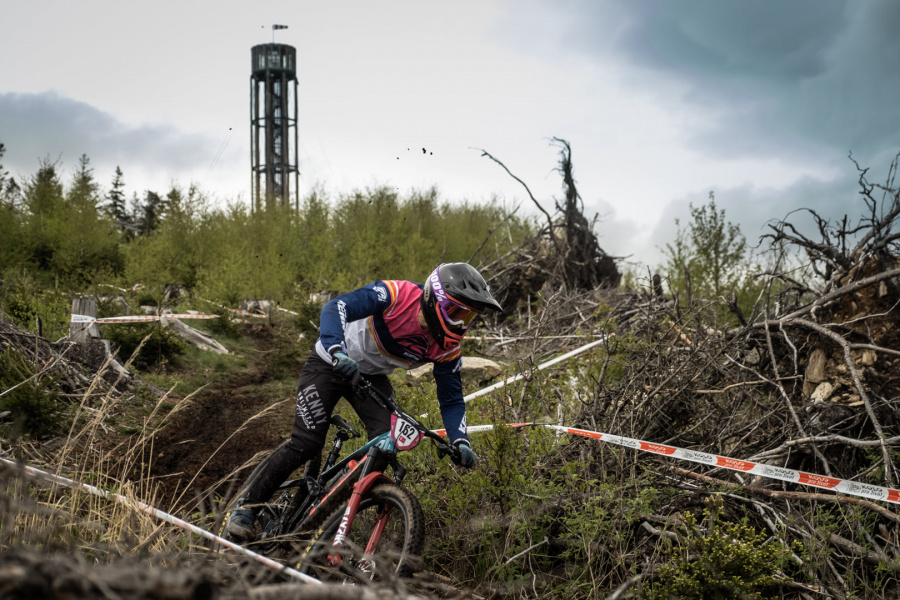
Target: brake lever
pixel 441 451
pixel 359 384
pixel 448 450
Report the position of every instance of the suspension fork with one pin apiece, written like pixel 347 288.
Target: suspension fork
pixel 380 524
pixel 382 519
pixel 359 490
pixel 372 472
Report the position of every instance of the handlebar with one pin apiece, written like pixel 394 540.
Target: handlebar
pixel 444 446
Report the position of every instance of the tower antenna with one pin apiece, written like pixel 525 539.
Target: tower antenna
pixel 274 27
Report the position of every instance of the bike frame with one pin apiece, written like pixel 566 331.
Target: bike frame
pixel 405 434
pixel 369 463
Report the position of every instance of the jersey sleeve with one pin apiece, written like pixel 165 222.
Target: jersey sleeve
pixel 450 398
pixel 358 304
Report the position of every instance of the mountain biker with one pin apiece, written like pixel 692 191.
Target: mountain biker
pixel 372 331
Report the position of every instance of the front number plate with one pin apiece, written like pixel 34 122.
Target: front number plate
pixel 404 433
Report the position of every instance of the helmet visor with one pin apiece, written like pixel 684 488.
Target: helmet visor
pixel 456 316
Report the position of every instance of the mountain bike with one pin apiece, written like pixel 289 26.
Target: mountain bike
pixel 348 519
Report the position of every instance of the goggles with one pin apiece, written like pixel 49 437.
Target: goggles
pixel 456 316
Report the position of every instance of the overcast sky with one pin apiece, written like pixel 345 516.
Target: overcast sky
pixel 662 102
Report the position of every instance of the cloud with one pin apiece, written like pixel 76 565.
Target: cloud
pixel 711 41
pixel 754 208
pixel 809 76
pixel 49 125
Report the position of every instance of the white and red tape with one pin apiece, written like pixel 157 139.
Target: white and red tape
pixel 137 319
pixel 167 517
pixel 853 488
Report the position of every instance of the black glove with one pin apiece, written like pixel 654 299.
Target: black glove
pixel 467 456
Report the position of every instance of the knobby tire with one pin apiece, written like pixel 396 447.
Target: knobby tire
pixel 398 551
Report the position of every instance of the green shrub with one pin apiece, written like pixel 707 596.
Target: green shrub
pixel 160 345
pixel 34 405
pixel 224 326
pixel 718 559
pixel 307 319
pixel 710 260
pixel 25 299
pixel 146 297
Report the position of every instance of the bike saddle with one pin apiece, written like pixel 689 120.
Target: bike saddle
pixel 341 423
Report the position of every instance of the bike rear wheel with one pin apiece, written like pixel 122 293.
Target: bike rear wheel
pixel 385 540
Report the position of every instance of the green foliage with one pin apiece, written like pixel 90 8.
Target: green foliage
pixel 65 232
pixel 259 254
pixel 43 196
pixel 88 245
pixel 12 250
pixel 158 345
pixel 115 199
pixel 717 559
pixel 25 300
pixel 224 326
pixel 175 248
pixel 284 254
pixel 147 215
pixel 34 405
pixel 712 250
pixel 76 234
pixel 4 175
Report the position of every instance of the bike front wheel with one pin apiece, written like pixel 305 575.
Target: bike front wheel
pixel 385 540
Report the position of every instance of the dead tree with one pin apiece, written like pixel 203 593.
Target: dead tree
pixel 806 382
pixel 585 264
pixel 563 254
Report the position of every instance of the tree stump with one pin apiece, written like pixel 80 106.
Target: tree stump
pixel 81 333
pixel 90 347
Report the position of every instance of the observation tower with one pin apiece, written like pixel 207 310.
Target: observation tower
pixel 273 126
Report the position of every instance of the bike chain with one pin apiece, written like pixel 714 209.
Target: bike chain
pixel 340 495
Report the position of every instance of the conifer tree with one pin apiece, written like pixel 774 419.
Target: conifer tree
pixel 11 249
pixel 3 173
pixel 10 192
pixel 42 200
pixel 150 212
pixel 115 198
pixel 87 243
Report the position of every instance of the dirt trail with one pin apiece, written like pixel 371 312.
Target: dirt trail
pixel 189 446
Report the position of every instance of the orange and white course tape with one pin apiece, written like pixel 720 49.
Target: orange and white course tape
pixel 853 488
pixel 137 318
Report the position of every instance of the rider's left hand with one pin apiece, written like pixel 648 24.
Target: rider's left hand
pixel 467 456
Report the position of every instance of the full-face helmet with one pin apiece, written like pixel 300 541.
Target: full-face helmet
pixel 454 295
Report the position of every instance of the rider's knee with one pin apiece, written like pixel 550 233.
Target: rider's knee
pixel 306 444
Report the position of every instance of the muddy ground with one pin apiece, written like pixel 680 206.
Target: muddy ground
pixel 198 450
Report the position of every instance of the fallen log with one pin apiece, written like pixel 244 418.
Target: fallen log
pixel 193 336
pixel 186 333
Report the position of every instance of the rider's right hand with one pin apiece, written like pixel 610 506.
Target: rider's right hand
pixel 466 457
pixel 344 365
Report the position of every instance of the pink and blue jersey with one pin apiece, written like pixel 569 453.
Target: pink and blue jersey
pixel 379 328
